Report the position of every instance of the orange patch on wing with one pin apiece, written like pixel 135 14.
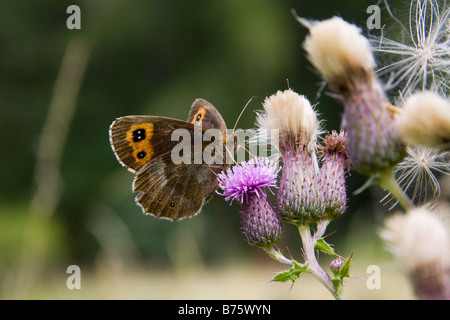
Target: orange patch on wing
pixel 139 139
pixel 199 116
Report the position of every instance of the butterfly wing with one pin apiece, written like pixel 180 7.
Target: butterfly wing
pixel 137 140
pixel 174 191
pixel 168 188
pixel 206 115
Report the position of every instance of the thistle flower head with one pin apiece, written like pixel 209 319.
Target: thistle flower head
pixel 425 120
pixel 247 182
pixel 423 60
pixel 339 52
pixel 420 63
pixel 422 243
pixel 343 57
pixel 250 177
pixel 292 117
pixel 332 174
pixel 334 144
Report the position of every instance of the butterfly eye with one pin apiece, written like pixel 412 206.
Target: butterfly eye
pixel 199 116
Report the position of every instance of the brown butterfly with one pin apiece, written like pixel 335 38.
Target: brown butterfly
pixel 173 179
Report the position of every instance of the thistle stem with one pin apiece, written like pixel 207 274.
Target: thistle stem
pixel 321 227
pixel 278 256
pixel 314 268
pixel 387 180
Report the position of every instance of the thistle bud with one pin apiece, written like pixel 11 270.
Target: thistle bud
pixel 336 265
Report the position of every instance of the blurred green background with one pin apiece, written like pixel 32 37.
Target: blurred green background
pixel 65 200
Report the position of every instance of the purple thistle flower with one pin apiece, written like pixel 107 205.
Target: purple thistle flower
pixel 335 164
pixel 250 177
pixel 246 183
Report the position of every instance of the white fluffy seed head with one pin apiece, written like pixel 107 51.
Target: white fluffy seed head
pixel 292 117
pixel 337 48
pixel 419 56
pixel 419 239
pixel 425 120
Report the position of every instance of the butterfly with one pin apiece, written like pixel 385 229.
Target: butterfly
pixel 173 178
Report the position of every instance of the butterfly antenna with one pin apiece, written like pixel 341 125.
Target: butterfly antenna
pixel 245 107
pixel 232 156
pixel 248 151
pixel 239 146
pixel 231 153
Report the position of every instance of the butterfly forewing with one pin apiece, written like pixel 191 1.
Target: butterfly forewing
pixel 137 140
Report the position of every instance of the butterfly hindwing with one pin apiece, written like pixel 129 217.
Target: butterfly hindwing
pixel 174 191
pixel 204 114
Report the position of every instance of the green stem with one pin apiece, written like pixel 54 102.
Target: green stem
pixel 313 266
pixel 387 180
